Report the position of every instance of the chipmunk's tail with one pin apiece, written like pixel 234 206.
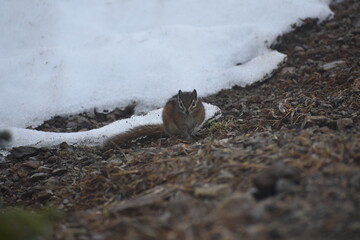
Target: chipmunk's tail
pixel 135 134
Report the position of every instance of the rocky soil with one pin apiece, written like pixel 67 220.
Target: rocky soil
pixel 282 163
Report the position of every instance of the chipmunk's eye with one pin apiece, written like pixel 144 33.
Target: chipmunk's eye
pixel 181 106
pixel 193 104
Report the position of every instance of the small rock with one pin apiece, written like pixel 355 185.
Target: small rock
pixel 222 141
pixel 320 121
pixel 267 182
pixel 304 141
pixel 44 195
pixel 23 172
pixel 331 65
pixel 20 152
pixel 116 159
pixel 59 171
pixel 212 191
pixel 52 182
pixel 344 123
pixel 64 145
pixel 71 125
pixel 340 40
pixel 326 130
pixel 298 49
pixel 82 122
pixel 54 159
pixel 325 105
pixel 31 164
pixel 39 176
pixel 287 71
pixel 44 169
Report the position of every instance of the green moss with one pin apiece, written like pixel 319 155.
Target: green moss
pixel 5 135
pixel 20 224
pixel 223 126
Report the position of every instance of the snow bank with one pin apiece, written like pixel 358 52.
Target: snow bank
pixel 62 57
pixel 27 137
pixel 65 57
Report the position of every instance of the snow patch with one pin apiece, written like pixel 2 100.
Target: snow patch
pixel 28 137
pixel 65 57
pixel 70 56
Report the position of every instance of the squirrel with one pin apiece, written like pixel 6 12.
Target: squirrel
pixel 182 116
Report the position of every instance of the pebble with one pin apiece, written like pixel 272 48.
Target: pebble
pixel 45 169
pixel 325 105
pixel 31 164
pixel 44 195
pixel 298 49
pixel 344 123
pixel 20 152
pixel 71 125
pixel 39 176
pixel 320 121
pixel 325 130
pixel 287 71
pixel 267 183
pixel 54 159
pixel 59 171
pixel 334 64
pixel 65 145
pixel 52 182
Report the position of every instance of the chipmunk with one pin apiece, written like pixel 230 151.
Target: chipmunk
pixel 183 114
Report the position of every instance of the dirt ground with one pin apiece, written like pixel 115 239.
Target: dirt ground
pixel 282 163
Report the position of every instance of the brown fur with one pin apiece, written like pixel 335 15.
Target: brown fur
pixel 180 118
pixel 155 130
pixel 177 123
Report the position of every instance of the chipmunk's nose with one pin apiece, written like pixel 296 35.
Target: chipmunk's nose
pixel 187 111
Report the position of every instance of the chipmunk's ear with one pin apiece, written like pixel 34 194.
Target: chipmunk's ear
pixel 180 94
pixel 194 93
